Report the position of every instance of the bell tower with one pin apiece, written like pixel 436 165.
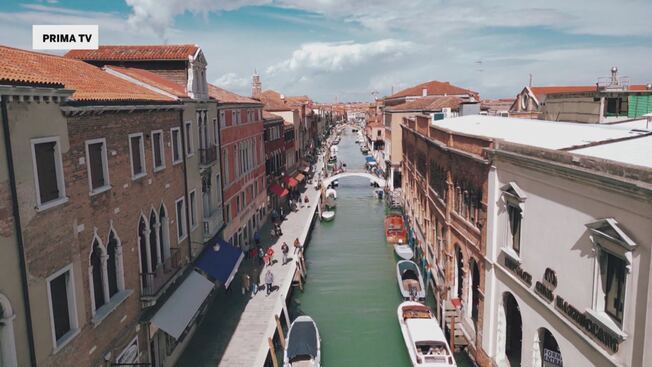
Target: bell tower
pixel 256 86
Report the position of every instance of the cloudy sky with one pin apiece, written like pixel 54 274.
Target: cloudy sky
pixel 348 49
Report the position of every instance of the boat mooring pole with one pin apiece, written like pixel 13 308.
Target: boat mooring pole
pixel 286 313
pixel 452 343
pixel 272 351
pixel 280 330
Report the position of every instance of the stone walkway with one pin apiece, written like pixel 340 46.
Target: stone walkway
pixel 249 344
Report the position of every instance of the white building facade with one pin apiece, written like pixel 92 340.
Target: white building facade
pixel 568 280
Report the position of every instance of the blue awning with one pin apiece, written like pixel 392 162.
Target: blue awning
pixel 223 264
pixel 370 159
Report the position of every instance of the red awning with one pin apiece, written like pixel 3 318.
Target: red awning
pixel 278 190
pixel 290 181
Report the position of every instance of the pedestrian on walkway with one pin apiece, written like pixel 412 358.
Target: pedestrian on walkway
pixel 285 249
pixel 254 285
pixel 297 244
pixel 257 238
pixel 269 280
pixel 261 254
pixel 270 256
pixel 246 283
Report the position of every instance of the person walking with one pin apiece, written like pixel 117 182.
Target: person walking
pixel 285 249
pixel 270 256
pixel 269 280
pixel 246 283
pixel 261 254
pixel 297 244
pixel 254 284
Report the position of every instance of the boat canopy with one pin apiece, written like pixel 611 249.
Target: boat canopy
pixel 303 340
pixel 424 330
pixel 405 266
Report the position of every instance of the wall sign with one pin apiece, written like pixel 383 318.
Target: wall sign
pixel 604 336
pixel 515 267
pixel 545 288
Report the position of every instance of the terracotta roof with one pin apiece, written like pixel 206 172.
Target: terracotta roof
pixel 89 82
pixel 433 103
pixel 270 116
pixel 152 79
pixel 435 88
pixel 135 52
pixel 274 102
pixel 299 100
pixel 224 96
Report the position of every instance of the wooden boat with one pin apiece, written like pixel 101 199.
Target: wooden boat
pixel 424 339
pixel 395 229
pixel 403 251
pixel 328 216
pixel 303 344
pixel 410 281
pixel 379 193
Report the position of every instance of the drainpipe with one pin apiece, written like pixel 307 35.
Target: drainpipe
pixel 19 233
pixel 185 182
pixel 219 154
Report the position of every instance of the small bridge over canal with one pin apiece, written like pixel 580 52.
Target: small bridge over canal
pixel 355 173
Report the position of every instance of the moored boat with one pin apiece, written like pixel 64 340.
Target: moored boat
pixel 395 228
pixel 303 344
pixel 424 339
pixel 328 216
pixel 410 281
pixel 331 193
pixel 403 251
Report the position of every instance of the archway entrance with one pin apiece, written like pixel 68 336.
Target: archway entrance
pixel 513 330
pixel 547 353
pixel 475 290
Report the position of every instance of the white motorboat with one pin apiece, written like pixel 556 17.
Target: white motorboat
pixel 328 216
pixel 335 183
pixel 424 339
pixel 379 193
pixel 410 281
pixel 303 344
pixel 403 251
pixel 329 202
pixel 331 192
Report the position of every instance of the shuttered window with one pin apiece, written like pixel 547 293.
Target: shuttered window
pixel 46 168
pixel 97 164
pixel 176 145
pixel 157 148
pixel 60 310
pixel 136 148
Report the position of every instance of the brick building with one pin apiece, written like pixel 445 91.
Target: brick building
pixel 243 162
pixel 445 187
pixel 274 138
pixel 406 103
pixel 102 215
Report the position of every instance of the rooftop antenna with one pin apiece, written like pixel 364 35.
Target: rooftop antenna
pixel 530 83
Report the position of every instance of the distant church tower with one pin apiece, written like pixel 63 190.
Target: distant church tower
pixel 256 86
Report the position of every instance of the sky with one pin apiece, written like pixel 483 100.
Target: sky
pixel 351 50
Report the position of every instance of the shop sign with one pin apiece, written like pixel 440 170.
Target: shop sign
pixel 551 358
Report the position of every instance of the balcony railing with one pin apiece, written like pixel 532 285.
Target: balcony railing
pixel 152 283
pixel 212 222
pixel 208 155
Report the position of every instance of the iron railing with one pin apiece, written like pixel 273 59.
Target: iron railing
pixel 208 155
pixel 153 282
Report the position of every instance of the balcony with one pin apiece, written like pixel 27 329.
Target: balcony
pixel 208 155
pixel 153 283
pixel 213 221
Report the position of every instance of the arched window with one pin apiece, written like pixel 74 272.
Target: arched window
pixel 164 232
pixel 7 340
pixel 143 233
pixel 153 241
pixel 113 264
pixel 98 256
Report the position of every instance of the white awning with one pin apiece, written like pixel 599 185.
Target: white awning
pixel 175 315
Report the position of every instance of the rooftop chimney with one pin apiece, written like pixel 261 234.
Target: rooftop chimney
pixel 424 92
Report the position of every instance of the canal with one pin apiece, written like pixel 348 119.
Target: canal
pixel 351 290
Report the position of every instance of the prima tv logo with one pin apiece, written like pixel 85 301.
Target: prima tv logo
pixel 65 37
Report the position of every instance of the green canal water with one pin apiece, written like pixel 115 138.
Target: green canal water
pixel 351 290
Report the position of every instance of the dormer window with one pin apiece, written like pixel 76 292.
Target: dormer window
pixel 514 199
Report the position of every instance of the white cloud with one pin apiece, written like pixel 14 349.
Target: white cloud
pixel 231 81
pixel 341 56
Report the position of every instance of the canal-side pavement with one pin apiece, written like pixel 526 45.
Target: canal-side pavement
pixel 249 343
